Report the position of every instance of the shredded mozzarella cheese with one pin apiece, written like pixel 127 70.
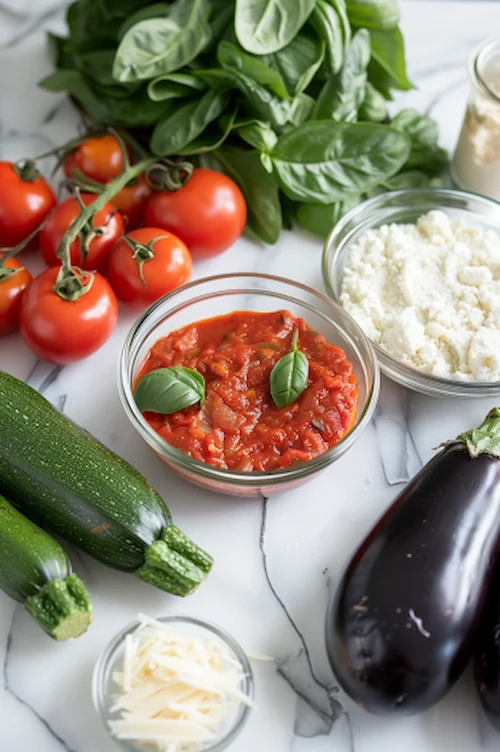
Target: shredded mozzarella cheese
pixel 176 693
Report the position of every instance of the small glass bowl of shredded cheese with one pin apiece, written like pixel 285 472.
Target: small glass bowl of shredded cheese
pixel 174 684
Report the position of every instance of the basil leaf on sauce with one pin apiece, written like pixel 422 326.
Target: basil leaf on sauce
pixel 168 390
pixel 289 375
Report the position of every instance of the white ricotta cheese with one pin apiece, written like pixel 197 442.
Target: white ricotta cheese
pixel 429 294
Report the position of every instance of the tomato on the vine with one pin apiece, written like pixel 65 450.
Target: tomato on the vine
pixel 98 237
pixel 25 200
pixel 14 279
pixel 208 213
pixel 64 331
pixel 146 264
pixel 99 158
pixel 131 200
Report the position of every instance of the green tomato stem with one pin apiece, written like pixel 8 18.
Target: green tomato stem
pixel 111 189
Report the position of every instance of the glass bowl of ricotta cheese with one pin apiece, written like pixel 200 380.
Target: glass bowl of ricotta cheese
pixel 419 270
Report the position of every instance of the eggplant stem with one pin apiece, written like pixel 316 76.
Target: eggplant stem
pixel 485 439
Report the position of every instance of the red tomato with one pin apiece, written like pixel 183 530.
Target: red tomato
pixel 24 203
pixel 99 158
pixel 131 200
pixel 99 247
pixel 12 289
pixel 62 331
pixel 169 267
pixel 208 213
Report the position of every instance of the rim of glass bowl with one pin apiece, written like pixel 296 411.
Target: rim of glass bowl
pixel 99 685
pixel 335 245
pixel 365 355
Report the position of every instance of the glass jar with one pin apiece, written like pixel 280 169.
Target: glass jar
pixel 476 163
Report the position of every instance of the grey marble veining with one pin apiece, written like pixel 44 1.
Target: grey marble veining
pixel 275 559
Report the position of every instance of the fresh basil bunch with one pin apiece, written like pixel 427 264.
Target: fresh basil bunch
pixel 285 96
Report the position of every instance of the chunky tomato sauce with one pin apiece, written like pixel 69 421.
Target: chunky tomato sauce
pixel 239 427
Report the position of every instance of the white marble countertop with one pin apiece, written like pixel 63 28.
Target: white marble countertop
pixel 273 562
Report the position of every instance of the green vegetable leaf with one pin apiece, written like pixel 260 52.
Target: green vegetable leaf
pixel 373 108
pixel 168 390
pixel 134 111
pixel 157 10
pixel 343 94
pixel 373 14
pixel 298 62
pixel 233 59
pixel 320 219
pixel 97 67
pixel 289 376
pixel 162 45
pixel 213 136
pixel 58 51
pixel 425 152
pixel 184 123
pixel 265 26
pixel 327 22
pixel 98 21
pixel 259 189
pixel 323 161
pixel 174 86
pixel 259 135
pixel 341 8
pixel 388 63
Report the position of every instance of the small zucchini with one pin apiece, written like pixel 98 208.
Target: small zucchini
pixel 36 571
pixel 70 483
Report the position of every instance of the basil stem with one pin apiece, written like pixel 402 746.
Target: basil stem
pixel 168 390
pixel 289 375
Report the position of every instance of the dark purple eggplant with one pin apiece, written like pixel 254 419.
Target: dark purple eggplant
pixel 487 656
pixel 400 626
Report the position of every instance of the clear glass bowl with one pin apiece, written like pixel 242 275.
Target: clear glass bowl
pixel 104 688
pixel 216 296
pixel 406 207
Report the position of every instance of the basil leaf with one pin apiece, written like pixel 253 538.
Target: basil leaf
pixel 328 25
pixel 98 66
pixel 259 135
pixel 265 26
pixel 144 14
pixel 298 62
pixel 134 111
pixel 289 376
pixel 320 219
pixel 388 59
pixel 341 8
pixel 259 189
pixel 323 162
pixel 373 107
pixel 425 152
pixel 174 86
pixel 59 55
pixel 185 123
pixel 343 94
pixel 373 14
pixel 212 137
pixel 163 45
pixel 231 58
pixel 168 390
pixel 97 20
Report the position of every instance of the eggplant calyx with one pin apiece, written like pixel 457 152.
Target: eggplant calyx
pixel 485 439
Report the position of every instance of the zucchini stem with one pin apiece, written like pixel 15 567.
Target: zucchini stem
pixel 62 608
pixel 174 563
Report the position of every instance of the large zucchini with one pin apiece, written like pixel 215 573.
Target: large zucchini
pixel 69 482
pixel 36 571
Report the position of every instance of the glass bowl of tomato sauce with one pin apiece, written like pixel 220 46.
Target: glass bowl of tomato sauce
pixel 233 329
